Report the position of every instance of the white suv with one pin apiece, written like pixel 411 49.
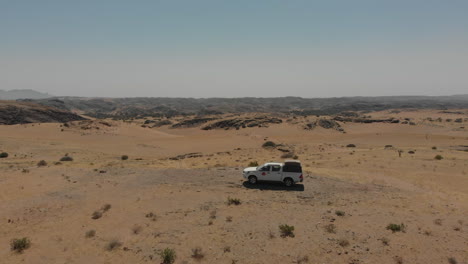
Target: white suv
pixel 289 172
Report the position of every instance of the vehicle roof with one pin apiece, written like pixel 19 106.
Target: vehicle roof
pixel 295 161
pixel 274 163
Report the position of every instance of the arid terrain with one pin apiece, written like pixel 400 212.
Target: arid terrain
pixel 380 187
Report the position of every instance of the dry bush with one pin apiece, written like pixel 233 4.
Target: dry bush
pixel 197 253
pixel 96 215
pixel 286 230
pixel 396 227
pixel 42 163
pixel 90 233
pixel 113 244
pixel 168 256
pixel 330 228
pixel 20 244
pixel 343 242
pixel 235 201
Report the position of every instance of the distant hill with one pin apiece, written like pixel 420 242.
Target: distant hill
pixel 22 94
pixel 159 107
pixel 13 112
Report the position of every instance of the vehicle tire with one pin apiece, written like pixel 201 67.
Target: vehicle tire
pixel 252 180
pixel 288 182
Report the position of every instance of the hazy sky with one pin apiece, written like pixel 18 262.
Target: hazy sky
pixel 235 48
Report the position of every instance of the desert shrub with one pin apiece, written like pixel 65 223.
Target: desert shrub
pixel 66 158
pixel 124 157
pixel 136 229
pixel 438 222
pixel 388 146
pixel 42 163
pixel 396 227
pixel 330 228
pixel 113 244
pixel 269 144
pixel 106 207
pixel 411 152
pixel 295 157
pixel 434 147
pixel 398 259
pixel 3 155
pixel 350 146
pixel 385 241
pixel 438 157
pixel 90 233
pixel 343 242
pixel 452 260
pixel 96 215
pixel 228 218
pixel 168 256
pixel 253 164
pixel 20 244
pixel 227 249
pixel 235 201
pixel 303 259
pixel 213 214
pixel 286 230
pixel 197 253
pixel 339 213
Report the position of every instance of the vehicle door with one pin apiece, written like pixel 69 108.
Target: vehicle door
pixel 264 174
pixel 276 173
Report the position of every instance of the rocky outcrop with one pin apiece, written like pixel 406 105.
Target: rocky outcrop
pixel 192 122
pixel 365 120
pixel 12 113
pixel 325 123
pixel 237 123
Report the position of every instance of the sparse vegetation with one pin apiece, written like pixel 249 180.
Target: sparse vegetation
pixel 227 249
pixel 96 215
pixel 339 213
pixel 286 230
pixel 396 227
pixel 330 228
pixel 42 163
pixel 66 158
pixel 3 155
pixel 343 242
pixel 288 155
pixel 124 157
pixel 398 260
pixel 385 241
pixel 234 201
pixel 20 244
pixel 197 253
pixel 253 164
pixel 438 221
pixel 136 229
pixel 90 233
pixel 438 157
pixel 113 244
pixel 269 144
pixel 300 260
pixel 168 256
pixel 452 260
pixel 106 207
pixel 228 218
pixel 434 147
pixel 350 146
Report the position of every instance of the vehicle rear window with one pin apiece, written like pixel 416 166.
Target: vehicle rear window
pixel 292 167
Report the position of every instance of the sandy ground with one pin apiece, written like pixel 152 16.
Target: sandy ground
pixel 157 202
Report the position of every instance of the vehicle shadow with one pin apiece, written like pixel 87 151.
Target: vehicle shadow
pixel 273 186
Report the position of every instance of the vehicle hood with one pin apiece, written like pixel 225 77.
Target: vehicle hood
pixel 250 169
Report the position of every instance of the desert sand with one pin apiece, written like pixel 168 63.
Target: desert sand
pixel 159 199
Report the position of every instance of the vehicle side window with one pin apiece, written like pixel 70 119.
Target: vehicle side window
pixel 276 168
pixel 265 168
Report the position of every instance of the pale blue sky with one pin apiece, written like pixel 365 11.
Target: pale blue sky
pixel 234 48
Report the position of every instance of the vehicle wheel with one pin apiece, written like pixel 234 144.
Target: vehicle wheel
pixel 252 180
pixel 288 182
